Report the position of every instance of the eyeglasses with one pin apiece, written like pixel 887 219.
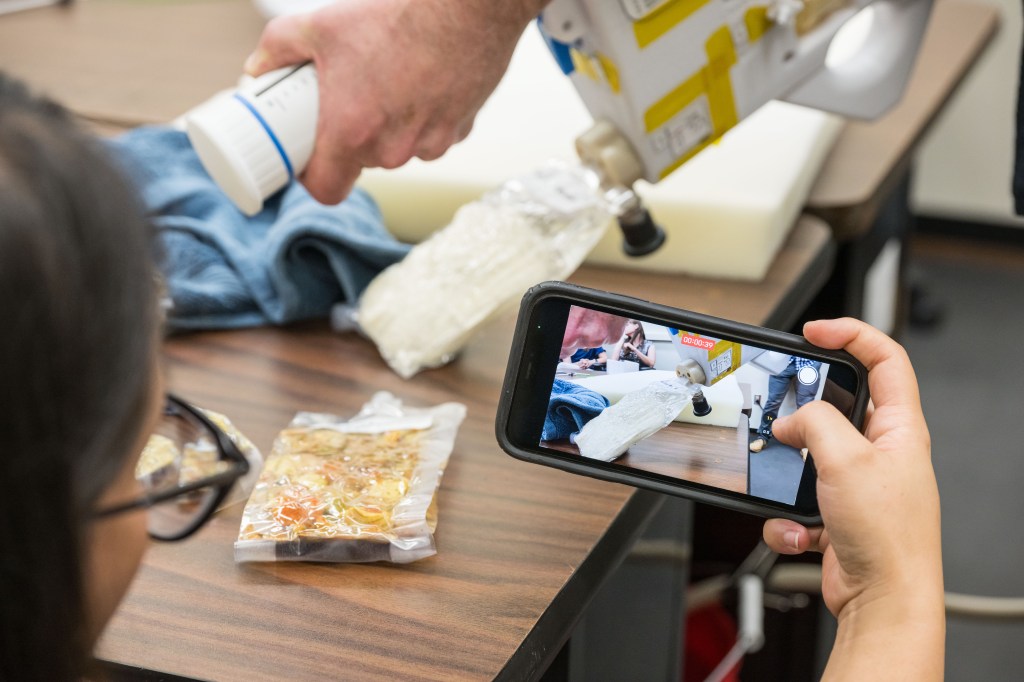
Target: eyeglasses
pixel 186 470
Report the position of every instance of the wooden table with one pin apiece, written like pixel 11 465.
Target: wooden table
pixel 521 548
pixel 130 62
pixel 710 455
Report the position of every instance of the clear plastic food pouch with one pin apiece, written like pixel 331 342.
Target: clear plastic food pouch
pixel 421 312
pixel 637 416
pixel 354 490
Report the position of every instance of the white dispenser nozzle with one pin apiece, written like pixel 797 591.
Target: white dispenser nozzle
pixel 254 140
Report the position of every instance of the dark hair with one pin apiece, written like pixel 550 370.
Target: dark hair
pixel 79 313
pixel 638 336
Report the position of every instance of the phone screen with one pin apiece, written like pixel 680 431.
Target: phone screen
pixel 681 404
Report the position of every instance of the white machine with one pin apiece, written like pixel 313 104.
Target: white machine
pixel 662 78
pixel 666 78
pixel 704 361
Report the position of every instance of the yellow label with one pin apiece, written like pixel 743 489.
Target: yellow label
pixel 757 21
pixel 721 57
pixel 594 67
pixel 675 101
pixel 713 80
pixel 611 73
pixel 664 19
pixel 725 358
pixel 583 64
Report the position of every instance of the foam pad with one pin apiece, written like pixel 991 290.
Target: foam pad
pixel 726 212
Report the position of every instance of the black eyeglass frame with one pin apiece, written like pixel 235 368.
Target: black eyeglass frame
pixel 223 481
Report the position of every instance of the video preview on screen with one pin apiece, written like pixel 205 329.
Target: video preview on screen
pixel 680 404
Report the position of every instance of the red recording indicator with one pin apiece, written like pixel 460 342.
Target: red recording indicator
pixel 696 341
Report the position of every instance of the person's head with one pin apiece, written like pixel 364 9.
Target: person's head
pixel 634 332
pixel 79 380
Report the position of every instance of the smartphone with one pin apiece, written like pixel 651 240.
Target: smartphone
pixel 625 390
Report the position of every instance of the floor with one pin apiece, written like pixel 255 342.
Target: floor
pixel 775 472
pixel 971 370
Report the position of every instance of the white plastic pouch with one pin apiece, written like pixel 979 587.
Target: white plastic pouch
pixel 637 416
pixel 421 312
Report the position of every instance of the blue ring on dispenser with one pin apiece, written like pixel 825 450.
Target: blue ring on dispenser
pixel 273 138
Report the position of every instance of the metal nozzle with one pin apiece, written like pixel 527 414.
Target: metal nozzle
pixel 640 234
pixel 701 406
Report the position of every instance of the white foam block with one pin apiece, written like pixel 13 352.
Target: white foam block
pixel 725 397
pixel 726 212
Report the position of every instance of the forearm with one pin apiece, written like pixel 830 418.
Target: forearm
pixel 525 10
pixel 484 32
pixel 494 16
pixel 893 639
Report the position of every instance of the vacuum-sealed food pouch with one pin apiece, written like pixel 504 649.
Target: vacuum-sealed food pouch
pixel 354 490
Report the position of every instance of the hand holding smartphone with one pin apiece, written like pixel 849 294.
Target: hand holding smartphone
pixel 697 424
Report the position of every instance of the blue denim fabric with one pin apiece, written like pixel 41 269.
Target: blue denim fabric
pixel 570 407
pixel 292 261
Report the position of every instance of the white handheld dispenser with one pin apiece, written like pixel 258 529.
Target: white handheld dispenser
pixel 254 140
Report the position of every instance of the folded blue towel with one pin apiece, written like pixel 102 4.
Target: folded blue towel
pixel 292 261
pixel 569 408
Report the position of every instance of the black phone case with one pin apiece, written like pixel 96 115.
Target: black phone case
pixel 686 319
